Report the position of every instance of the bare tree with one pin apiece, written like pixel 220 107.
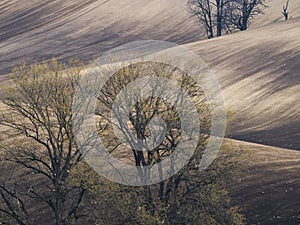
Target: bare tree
pixel 285 12
pixel 242 11
pixel 39 114
pixel 225 15
pixel 202 10
pixel 211 13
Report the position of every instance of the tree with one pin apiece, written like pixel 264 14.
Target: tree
pixel 285 12
pixel 201 198
pixel 220 5
pixel 38 112
pixel 225 15
pixel 45 180
pixel 210 13
pixel 143 113
pixel 242 11
pixel 184 196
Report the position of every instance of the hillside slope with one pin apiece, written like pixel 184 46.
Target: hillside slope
pixel 272 14
pixel 33 30
pixel 259 73
pixel 257 69
pixel 268 190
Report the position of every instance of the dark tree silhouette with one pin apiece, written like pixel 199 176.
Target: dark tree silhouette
pixel 285 12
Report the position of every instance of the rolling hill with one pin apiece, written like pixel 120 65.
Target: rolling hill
pixel 33 30
pixel 268 189
pixel 258 71
pixel 36 30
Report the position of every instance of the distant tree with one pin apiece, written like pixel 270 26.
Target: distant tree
pixel 242 11
pixel 210 13
pixel 285 12
pixel 225 15
pixel 43 153
pixel 202 10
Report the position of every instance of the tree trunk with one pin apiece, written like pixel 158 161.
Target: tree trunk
pixel 219 17
pixel 210 26
pixel 244 24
